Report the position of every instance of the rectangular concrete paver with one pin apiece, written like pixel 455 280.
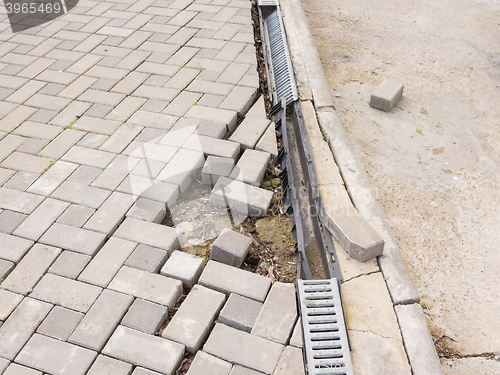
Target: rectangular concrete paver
pixel 8 302
pixel 291 362
pixel 111 213
pixel 249 131
pixel 51 179
pixel 60 323
pixel 75 239
pixel 18 201
pixel 109 366
pixel 15 369
pixel 13 248
pixel 145 316
pixel 80 194
pixel 206 364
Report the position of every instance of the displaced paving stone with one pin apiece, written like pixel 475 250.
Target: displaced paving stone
pixel 206 364
pixel 64 292
pixel 147 258
pixel 278 314
pixel 230 248
pixel 109 366
pixel 225 116
pixel 291 362
pixel 10 220
pixel 249 131
pixel 182 169
pixel 111 213
pixel 252 351
pixel 15 369
pixel 60 323
pixel 194 319
pixel 101 320
pixel 107 262
pixel 386 95
pixel 213 146
pixel 149 286
pixel 55 357
pixel 227 279
pixel 243 198
pixel 240 312
pixel 75 239
pixel 240 99
pixel 18 201
pixel 5 268
pixel 184 267
pixel 258 109
pixel 19 327
pixel 145 350
pixel 251 167
pixel 214 168
pixel 69 264
pixel 13 248
pixel 268 143
pixel 30 269
pixel 145 316
pixel 8 302
pixel 296 339
pixel 148 210
pixel 151 234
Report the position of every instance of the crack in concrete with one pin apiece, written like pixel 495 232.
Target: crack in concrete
pixel 377 334
pixel 358 276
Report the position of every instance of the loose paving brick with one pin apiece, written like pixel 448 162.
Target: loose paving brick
pixel 249 131
pixel 225 116
pixel 8 302
pixel 55 357
pixel 251 167
pixel 240 312
pixel 213 146
pixel 386 95
pixel 111 213
pixel 240 99
pixel 228 279
pixel 30 269
pixel 145 350
pixel 216 167
pixel 148 210
pixel 291 362
pixel 182 168
pixel 230 248
pixel 145 316
pixel 194 319
pixel 252 351
pixel 296 339
pixel 147 258
pixel 10 220
pixel 278 314
pixel 151 189
pixel 52 178
pixel 5 268
pixel 75 239
pixel 101 320
pixel 60 323
pixel 19 327
pixel 15 369
pixel 109 366
pixel 76 215
pixel 13 248
pixel 184 267
pixel 268 143
pixel 206 364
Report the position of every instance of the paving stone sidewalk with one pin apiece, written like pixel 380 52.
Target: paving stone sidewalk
pixel 107 115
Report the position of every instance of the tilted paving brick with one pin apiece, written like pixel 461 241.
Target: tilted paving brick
pixel 240 312
pixel 184 267
pixel 107 262
pixel 5 268
pixel 296 339
pixel 62 143
pixel 101 320
pixel 249 131
pixel 151 151
pixel 153 120
pixel 60 323
pixel 69 264
pixel 213 146
pixel 252 351
pixel 10 220
pixel 206 364
pixel 52 178
pixel 145 350
pixel 20 325
pixel 216 167
pixel 147 258
pixel 251 167
pixel 15 369
pixel 111 213
pixel 225 116
pixel 13 248
pixel 148 210
pixel 55 357
pixel 240 99
pixel 76 215
pixel 230 248
pixel 149 188
pixel 268 143
pixel 30 269
pixel 75 239
pixel 81 194
pixel 182 169
pixel 87 156
pixel 8 302
pixel 109 366
pixel 145 316
pixel 228 279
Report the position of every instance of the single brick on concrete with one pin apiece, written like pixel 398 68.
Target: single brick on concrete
pixel 145 316
pixel 241 197
pixel 8 302
pixel 248 133
pixel 354 234
pixel 13 248
pixel 5 268
pixel 151 234
pixel 239 370
pixel 147 258
pixel 55 357
pixel 75 239
pixel 240 312
pixel 251 167
pixel 60 323
pixel 296 339
pixel 212 146
pixel 214 168
pixel 206 364
pixel 69 264
pixel 148 210
pixel 20 325
pixel 184 267
pixel 65 292
pixel 109 366
pixel 111 213
pixel 252 351
pixel 148 286
pixel 278 314
pixel 30 269
pixel 268 143
pixel 230 248
pixel 15 369
pixel 227 279
pixel 145 350
pixel 386 95
pixel 291 362
pixel 101 320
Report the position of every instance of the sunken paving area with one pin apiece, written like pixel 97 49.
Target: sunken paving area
pixel 107 116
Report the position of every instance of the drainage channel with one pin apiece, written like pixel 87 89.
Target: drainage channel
pixel 326 341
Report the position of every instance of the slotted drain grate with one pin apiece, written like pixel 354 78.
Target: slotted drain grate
pixel 324 329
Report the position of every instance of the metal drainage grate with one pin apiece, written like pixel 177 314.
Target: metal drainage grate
pixel 326 347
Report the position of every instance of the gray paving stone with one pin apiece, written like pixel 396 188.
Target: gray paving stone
pixel 148 168
pixel 191 324
pixel 116 172
pixel 278 314
pixel 60 323
pixel 109 366
pixel 30 269
pixel 239 370
pixel 241 197
pixel 151 234
pixel 148 210
pixel 230 248
pixel 51 179
pixel 240 99
pixel 92 140
pixel 184 267
pixel 5 174
pixel 145 350
pixel 206 364
pixel 180 132
pixel 151 151
pixel 386 95
pixel 268 143
pixel 152 135
pixel 5 268
pixel 121 138
pixel 252 351
pixel 111 213
pixel 76 215
pixel 64 292
pixel 147 258
pixel 8 302
pixel 18 201
pixel 101 320
pixel 296 339
pixel 212 129
pixel 249 131
pixel 69 264
pixel 182 169
pixel 84 175
pixel 21 180
pixel 33 146
pixel 214 168
pixel 291 362
pixel 213 146
pixel 19 327
pixel 145 316
pixel 81 194
pixel 251 167
pixel 240 312
pixel 62 143
pixel 228 279
pixel 152 120
pixel 13 248
pixel 3 364
pixel 107 262
pixel 149 188
pixel 15 369
pixel 143 371
pixel 214 114
pixel 87 156
pixel 55 357
pixel 10 220
pixel 75 239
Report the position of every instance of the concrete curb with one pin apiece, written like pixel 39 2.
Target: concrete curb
pixel 313 85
